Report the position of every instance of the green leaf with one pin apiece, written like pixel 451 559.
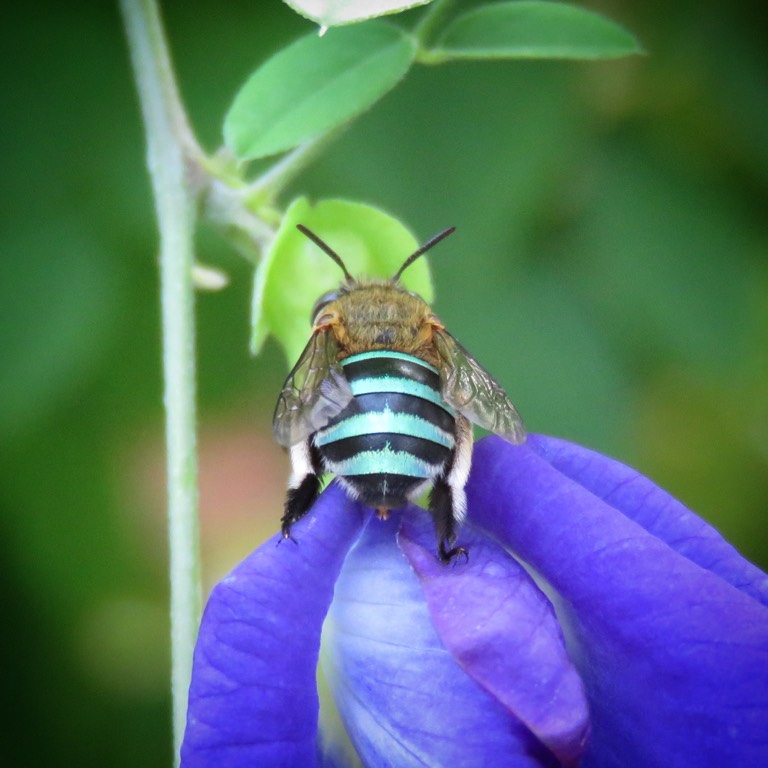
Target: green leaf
pixel 331 13
pixel 295 272
pixel 314 85
pixel 532 30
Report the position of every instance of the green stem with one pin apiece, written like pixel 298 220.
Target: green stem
pixel 173 158
pixel 275 178
pixel 227 206
pixel 430 21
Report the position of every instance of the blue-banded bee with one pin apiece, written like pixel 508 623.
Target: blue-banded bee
pixel 384 397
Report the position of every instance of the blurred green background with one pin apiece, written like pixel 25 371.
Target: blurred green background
pixel 609 267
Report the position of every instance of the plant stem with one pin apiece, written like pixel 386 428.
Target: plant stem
pixel 173 158
pixel 227 206
pixel 275 178
pixel 430 21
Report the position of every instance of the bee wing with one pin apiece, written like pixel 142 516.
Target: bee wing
pixel 314 392
pixel 471 390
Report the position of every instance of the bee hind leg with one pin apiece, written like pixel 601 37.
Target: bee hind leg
pixel 448 501
pixel 303 487
pixel 298 502
pixel 441 507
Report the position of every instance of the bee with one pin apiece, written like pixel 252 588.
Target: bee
pixel 384 398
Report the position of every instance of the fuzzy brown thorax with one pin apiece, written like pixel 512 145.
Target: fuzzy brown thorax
pixel 380 315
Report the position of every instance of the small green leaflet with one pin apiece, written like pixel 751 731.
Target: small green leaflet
pixel 315 85
pixel 532 30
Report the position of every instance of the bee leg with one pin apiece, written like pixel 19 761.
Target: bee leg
pixel 441 508
pixel 448 501
pixel 303 486
pixel 298 502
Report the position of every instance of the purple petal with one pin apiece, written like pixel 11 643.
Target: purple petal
pixel 403 698
pixel 503 631
pixel 253 698
pixel 655 510
pixel 674 657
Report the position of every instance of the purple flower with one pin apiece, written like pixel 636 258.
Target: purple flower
pixel 624 632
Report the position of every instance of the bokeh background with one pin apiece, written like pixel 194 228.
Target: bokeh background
pixel 609 268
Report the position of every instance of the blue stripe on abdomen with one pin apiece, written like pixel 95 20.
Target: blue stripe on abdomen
pixel 431 453
pixel 399 385
pixel 374 422
pixel 384 461
pixel 398 365
pixel 388 354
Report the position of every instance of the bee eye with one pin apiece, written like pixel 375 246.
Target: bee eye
pixel 323 301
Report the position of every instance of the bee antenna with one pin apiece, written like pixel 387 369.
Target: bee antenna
pixel 327 248
pixel 421 251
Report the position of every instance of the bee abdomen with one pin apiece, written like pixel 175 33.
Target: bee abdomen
pixel 395 435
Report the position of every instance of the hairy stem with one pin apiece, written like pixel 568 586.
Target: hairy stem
pixel 173 160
